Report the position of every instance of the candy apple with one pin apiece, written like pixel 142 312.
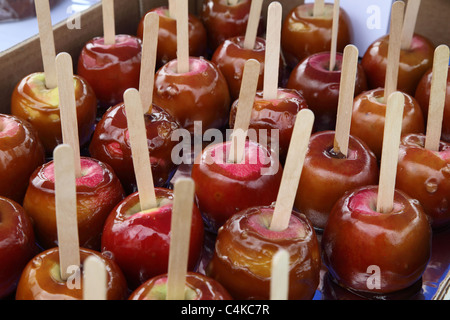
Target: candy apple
pixel 303 34
pixel 21 152
pixel 320 86
pixel 33 101
pixel 147 255
pixel 198 287
pixel 198 95
pixel 111 144
pixel 41 278
pixel 323 167
pixel 368 251
pixel 425 175
pixel 245 247
pixel 98 190
pixel 17 245
pixel 414 62
pixel 167 36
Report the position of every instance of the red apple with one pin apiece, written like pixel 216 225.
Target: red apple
pixel 375 252
pixel 98 191
pixel 245 247
pixel 21 152
pixel 140 240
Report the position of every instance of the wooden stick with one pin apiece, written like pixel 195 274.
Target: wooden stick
pixel 334 34
pixel 437 98
pixel 173 9
pixel 139 149
pixel 409 23
pixel 389 156
pixel 109 29
pixel 180 233
pixel 272 58
pixel 94 279
pixel 345 100
pixel 319 8
pixel 252 24
pixel 244 110
pixel 279 281
pixel 393 59
pixel 292 170
pixel 47 42
pixel 148 64
pixel 67 106
pixel 182 36
pixel 66 209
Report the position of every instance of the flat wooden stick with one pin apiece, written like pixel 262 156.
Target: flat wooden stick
pixel 244 110
pixel 109 29
pixel 389 156
pixel 319 8
pixel 437 98
pixel 272 58
pixel 148 61
pixel 409 23
pixel 252 24
pixel 94 279
pixel 67 106
pixel 345 100
pixel 173 9
pixel 139 149
pixel 182 36
pixel 393 57
pixel 334 34
pixel 279 281
pixel 180 233
pixel 47 42
pixel 66 209
pixel 292 170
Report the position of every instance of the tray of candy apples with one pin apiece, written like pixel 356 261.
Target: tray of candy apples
pixel 225 156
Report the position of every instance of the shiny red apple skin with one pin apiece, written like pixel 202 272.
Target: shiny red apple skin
pixel 147 256
pixel 357 237
pixel 17 244
pixel 199 95
pixel 110 144
pixel 327 176
pixel 21 152
pixel 413 63
pixel 96 195
pixel 277 114
pixel 222 189
pixel 319 86
pixel 422 96
pixel 198 287
pixel 111 68
pixel 167 36
pixel 245 247
pixel 40 279
pixel 368 118
pixel 303 35
pixel 425 175
pixel 33 102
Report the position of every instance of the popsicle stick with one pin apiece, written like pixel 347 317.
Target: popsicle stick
pixel 94 279
pixel 109 29
pixel 389 156
pixel 139 149
pixel 182 36
pixel 437 98
pixel 334 34
pixel 180 233
pixel 279 281
pixel 272 58
pixel 47 42
pixel 393 58
pixel 345 100
pixel 409 23
pixel 66 209
pixel 252 24
pixel 148 61
pixel 244 110
pixel 67 106
pixel 319 8
pixel 292 170
pixel 172 9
